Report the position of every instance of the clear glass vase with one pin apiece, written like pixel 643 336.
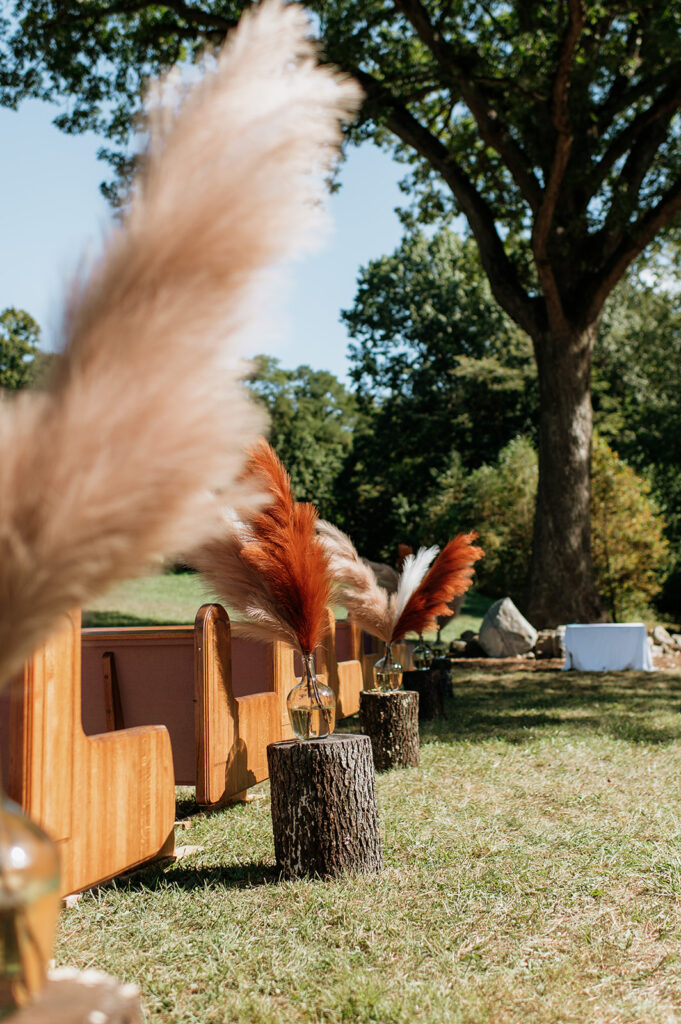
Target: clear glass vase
pixel 422 655
pixel 311 705
pixel 29 906
pixel 438 647
pixel 388 671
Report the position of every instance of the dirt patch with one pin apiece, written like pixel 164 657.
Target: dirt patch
pixel 518 664
pixel 662 662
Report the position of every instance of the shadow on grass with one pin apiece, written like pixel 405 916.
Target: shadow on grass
pixel 637 707
pixel 183 876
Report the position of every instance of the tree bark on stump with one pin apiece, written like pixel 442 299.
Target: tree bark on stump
pixel 391 722
pixel 324 811
pixel 432 686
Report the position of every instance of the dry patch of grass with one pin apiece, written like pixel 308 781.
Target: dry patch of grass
pixel 533 874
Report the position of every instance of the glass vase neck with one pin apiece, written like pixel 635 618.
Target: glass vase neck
pixel 308 663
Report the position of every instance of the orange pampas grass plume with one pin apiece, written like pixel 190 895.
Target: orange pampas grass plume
pixel 449 576
pixel 113 466
pixel 274 569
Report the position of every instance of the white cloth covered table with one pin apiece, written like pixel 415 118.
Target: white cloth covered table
pixel 607 647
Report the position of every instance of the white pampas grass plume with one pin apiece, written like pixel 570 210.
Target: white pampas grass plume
pixel 111 466
pixel 414 568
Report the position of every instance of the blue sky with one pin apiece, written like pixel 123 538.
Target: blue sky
pixel 51 211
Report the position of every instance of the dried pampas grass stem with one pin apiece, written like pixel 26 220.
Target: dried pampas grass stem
pixel 112 466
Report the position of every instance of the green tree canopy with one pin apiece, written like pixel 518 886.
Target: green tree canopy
pixel 630 549
pixel 638 403
pixel 435 355
pixel 19 352
pixel 552 126
pixel 312 417
pixel 439 369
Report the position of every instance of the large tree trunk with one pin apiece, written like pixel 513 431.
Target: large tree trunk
pixel 561 585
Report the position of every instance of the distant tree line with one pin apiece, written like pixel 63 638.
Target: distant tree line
pixel 22 362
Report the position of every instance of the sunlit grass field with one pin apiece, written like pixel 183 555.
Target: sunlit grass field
pixel 533 876
pixel 174 599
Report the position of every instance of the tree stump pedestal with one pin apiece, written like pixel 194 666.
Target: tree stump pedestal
pixel 391 722
pixel 324 811
pixel 432 686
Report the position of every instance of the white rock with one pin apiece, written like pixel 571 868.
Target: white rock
pixel 504 632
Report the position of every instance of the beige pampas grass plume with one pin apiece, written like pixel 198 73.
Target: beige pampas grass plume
pixel 112 466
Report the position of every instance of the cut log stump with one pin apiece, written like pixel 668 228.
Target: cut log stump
pixel 324 812
pixel 444 667
pixel 432 686
pixel 391 721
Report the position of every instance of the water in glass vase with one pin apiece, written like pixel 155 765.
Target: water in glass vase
pixel 311 705
pixel 388 672
pixel 311 723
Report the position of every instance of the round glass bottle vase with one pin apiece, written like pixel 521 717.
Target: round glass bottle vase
pixel 311 705
pixel 388 671
pixel 422 655
pixel 29 906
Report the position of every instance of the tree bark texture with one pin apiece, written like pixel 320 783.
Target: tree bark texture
pixel 391 722
pixel 432 686
pixel 561 583
pixel 324 811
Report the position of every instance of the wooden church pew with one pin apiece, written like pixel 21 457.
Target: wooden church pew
pixel 232 728
pixel 214 690
pixel 238 687
pixel 108 800
pixel 107 796
pixel 345 666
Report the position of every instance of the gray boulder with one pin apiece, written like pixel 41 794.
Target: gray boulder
pixel 504 632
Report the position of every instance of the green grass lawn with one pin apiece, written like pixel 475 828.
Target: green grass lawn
pixel 170 599
pixel 533 876
pixel 174 599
